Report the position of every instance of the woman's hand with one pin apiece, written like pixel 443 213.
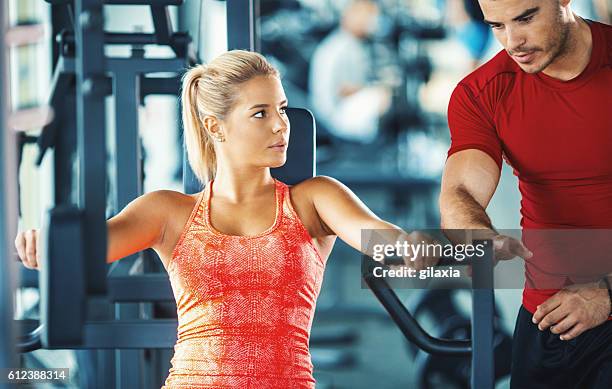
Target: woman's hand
pixel 27 247
pixel 422 258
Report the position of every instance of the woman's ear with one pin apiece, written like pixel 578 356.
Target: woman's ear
pixel 213 127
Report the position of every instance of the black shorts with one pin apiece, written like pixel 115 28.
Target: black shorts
pixel 541 360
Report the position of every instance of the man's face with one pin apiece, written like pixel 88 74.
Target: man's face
pixel 533 32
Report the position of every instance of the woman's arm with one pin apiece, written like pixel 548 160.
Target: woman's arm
pixel 342 213
pixel 140 225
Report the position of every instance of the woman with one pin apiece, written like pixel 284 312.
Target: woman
pixel 246 255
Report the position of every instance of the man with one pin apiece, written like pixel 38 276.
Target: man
pixel 341 91
pixel 544 104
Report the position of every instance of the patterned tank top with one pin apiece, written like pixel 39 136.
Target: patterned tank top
pixel 245 304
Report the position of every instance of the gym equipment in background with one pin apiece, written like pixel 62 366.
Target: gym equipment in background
pixel 449 322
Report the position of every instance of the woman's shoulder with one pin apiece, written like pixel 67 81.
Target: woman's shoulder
pixel 174 208
pixel 164 195
pixel 317 183
pixel 318 186
pixel 303 197
pixel 168 201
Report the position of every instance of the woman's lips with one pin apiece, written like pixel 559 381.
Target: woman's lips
pixel 278 147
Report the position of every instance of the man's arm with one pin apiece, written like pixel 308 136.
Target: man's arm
pixel 468 183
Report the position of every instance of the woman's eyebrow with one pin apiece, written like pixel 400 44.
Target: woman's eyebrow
pixel 260 106
pixel 266 105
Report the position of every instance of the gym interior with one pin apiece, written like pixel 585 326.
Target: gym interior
pixel 70 138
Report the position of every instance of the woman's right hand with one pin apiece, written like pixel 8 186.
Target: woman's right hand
pixel 26 244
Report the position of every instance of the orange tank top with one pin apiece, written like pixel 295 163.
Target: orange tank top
pixel 245 304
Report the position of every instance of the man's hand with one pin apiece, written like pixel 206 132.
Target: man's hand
pixel 504 248
pixel 573 310
pixel 507 247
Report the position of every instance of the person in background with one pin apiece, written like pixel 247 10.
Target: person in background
pixel 342 94
pixel 469 28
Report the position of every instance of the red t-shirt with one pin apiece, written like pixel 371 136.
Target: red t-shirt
pixel 557 136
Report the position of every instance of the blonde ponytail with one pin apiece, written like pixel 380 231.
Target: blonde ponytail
pixel 212 90
pixel 200 149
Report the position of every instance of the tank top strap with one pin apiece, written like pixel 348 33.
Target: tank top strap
pixel 282 193
pixel 286 205
pixel 195 218
pixel 206 193
pixel 199 208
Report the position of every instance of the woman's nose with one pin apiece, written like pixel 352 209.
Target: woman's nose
pixel 282 124
pixel 279 128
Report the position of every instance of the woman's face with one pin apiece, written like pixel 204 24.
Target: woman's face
pixel 256 129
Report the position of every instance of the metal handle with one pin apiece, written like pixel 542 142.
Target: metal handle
pixel 409 326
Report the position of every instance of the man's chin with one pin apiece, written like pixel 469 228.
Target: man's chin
pixel 530 68
pixel 538 63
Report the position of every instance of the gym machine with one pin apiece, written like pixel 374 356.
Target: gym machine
pixel 72 254
pixel 480 345
pixel 81 316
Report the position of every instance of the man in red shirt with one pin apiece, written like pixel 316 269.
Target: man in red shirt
pixel 544 104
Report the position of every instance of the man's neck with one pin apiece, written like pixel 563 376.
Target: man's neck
pixel 577 53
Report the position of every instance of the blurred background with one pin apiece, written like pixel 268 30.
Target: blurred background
pixel 378 76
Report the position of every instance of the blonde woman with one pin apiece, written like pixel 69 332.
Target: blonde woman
pixel 246 255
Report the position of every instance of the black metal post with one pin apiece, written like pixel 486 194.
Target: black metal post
pixel 8 211
pixel 483 300
pixel 91 138
pixel 126 89
pixel 243 25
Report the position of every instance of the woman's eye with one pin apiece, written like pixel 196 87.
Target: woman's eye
pixel 259 114
pixel 283 110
